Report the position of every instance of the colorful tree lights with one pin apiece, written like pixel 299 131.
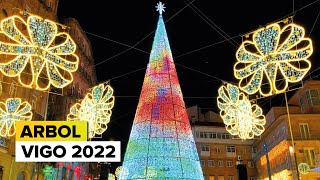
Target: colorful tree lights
pixel 271 55
pixel 54 62
pixel 10 112
pixel 240 117
pixel 161 145
pixel 95 108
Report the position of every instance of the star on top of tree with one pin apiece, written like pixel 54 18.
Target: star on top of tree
pixel 160 7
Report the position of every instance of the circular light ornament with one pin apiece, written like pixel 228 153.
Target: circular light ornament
pixel 240 117
pixel 274 57
pixel 95 108
pixel 303 168
pixel 12 111
pixel 36 53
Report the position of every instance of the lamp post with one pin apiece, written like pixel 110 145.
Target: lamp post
pixel 291 149
pixel 265 149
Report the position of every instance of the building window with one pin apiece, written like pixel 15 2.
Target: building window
pixel 229 163
pixel 202 134
pixel 73 89
pixel 254 149
pixel 231 149
pixel 49 4
pixel 220 163
pixel 210 163
pixel 309 155
pixel 301 104
pixel 217 150
pixel 304 130
pixel 205 147
pixel 225 136
pixel 79 93
pixel 197 134
pixel 313 97
pixel 211 178
pixel 4 12
pixel 250 164
pixel 252 178
pixel 230 177
pixel 34 101
pixel 202 163
pixel 214 135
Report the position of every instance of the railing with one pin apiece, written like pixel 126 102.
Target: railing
pixel 312 137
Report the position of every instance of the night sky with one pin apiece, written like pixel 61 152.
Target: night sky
pixel 202 55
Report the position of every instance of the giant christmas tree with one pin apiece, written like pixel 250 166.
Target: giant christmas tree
pixel 161 145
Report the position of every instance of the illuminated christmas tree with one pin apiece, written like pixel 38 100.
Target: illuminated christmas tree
pixel 161 145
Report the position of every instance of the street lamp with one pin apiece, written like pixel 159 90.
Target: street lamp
pixel 292 151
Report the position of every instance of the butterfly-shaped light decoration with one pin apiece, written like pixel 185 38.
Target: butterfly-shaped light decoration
pixel 274 58
pixel 12 111
pixel 240 117
pixel 95 108
pixel 37 53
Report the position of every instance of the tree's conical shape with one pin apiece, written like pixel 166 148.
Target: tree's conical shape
pixel 161 145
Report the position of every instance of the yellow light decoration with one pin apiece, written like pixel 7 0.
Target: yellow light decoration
pixel 240 117
pixel 111 176
pixel 95 108
pixel 303 168
pixel 55 62
pixel 10 112
pixel 117 172
pixel 274 54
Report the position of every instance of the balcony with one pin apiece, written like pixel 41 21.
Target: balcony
pixel 231 154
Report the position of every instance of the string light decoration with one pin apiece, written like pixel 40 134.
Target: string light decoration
pixel 37 48
pixel 240 117
pixel 95 108
pixel 111 177
pixel 303 168
pixel 117 172
pixel 273 55
pixel 161 144
pixel 12 111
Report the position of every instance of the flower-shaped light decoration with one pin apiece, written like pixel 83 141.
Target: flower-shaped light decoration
pixel 303 168
pixel 10 112
pixel 273 56
pixel 111 176
pixel 240 117
pixel 49 53
pixel 117 172
pixel 95 108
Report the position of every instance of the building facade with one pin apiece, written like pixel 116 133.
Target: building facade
pixel 273 154
pixel 304 108
pixel 45 106
pixel 218 150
